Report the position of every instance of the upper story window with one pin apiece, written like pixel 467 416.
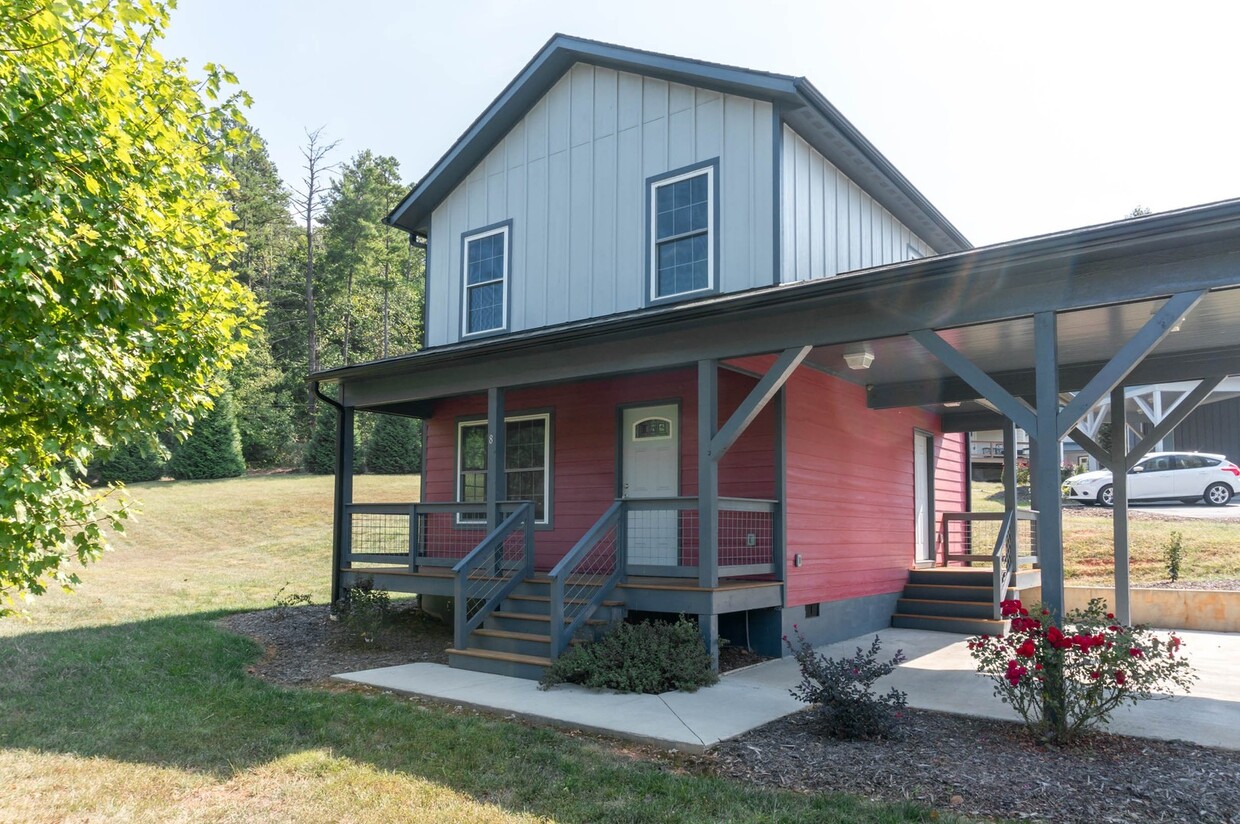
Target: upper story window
pixel 484 303
pixel 682 232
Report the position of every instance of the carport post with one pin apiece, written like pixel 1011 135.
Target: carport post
pixel 1119 513
pixel 1009 480
pixel 1044 463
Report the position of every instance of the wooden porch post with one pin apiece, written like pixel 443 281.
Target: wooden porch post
pixel 1010 501
pixel 497 484
pixel 343 496
pixel 1119 512
pixel 708 499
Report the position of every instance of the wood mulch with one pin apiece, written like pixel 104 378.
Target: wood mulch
pixel 969 766
pixel 986 768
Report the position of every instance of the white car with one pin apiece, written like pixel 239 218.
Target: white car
pixel 1162 476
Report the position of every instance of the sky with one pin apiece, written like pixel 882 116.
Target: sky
pixel 1014 119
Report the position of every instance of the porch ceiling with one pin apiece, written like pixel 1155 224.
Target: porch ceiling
pixel 1103 281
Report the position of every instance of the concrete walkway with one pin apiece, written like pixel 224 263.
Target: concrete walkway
pixel 938 675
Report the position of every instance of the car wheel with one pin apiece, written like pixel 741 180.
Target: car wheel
pixel 1106 496
pixel 1217 494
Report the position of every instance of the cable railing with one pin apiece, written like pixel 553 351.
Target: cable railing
pixel 492 570
pixel 585 576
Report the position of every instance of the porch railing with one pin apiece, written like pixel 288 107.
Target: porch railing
pixel 415 534
pixel 663 536
pixel 492 570
pixel 586 575
pixel 1006 541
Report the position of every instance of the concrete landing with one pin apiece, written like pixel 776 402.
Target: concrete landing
pixel 938 675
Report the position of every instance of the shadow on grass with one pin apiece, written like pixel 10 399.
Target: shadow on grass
pixel 173 692
pixel 1022 496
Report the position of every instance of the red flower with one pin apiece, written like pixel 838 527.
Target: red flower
pixel 1095 675
pixel 1135 652
pixel 1113 627
pixel 1120 678
pixel 1009 608
pixel 1025 650
pixel 1110 616
pixel 1056 638
pixel 1046 612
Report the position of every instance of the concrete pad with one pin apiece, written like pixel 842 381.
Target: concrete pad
pixel 937 675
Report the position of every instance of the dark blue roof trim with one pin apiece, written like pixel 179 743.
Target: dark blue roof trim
pixel 562 51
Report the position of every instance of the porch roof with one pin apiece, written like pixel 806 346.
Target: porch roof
pixel 1103 281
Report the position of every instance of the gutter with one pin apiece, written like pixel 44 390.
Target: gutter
pixel 338 498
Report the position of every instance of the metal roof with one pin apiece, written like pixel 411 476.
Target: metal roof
pixel 802 106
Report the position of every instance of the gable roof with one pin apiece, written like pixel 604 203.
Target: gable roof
pixel 802 106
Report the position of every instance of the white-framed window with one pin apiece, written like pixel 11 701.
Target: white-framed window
pixel 484 294
pixel 682 242
pixel 527 463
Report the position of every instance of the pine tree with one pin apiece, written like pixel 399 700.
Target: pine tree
pixel 395 446
pixel 320 457
pixel 213 449
pixel 264 406
pixel 131 463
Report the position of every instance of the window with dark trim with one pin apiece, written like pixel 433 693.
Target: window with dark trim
pixel 527 462
pixel 485 291
pixel 682 243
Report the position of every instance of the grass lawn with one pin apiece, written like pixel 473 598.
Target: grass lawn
pixel 1213 547
pixel 123 702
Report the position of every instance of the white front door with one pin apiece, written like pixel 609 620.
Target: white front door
pixel 922 479
pixel 650 468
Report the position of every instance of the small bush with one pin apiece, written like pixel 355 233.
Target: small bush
pixel 650 657
pixel 283 602
pixel 1062 681
pixel 1173 553
pixel 213 449
pixel 362 610
pixel 843 690
pixel 394 446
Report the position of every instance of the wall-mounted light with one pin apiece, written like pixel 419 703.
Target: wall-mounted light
pixel 859 360
pixel 952 404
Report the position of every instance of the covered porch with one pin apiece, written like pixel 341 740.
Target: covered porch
pixel 1030 333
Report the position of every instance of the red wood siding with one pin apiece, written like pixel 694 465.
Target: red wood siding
pixel 850 489
pixel 584 418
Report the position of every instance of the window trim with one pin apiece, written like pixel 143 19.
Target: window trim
pixel 546 522
pixel 711 169
pixel 503 227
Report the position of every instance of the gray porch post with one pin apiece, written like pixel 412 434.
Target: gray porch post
pixel 497 486
pixel 1119 514
pixel 343 496
pixel 708 498
pixel 1044 464
pixel 1010 501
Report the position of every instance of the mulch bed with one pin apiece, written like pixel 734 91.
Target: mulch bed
pixel 985 768
pixel 974 767
pixel 304 647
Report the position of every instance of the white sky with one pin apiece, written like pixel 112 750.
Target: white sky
pixel 1013 119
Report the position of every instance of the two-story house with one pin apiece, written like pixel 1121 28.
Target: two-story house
pixel 649 385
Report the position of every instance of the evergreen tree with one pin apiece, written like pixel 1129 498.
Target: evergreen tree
pixel 320 457
pixel 394 446
pixel 213 449
pixel 264 407
pixel 130 463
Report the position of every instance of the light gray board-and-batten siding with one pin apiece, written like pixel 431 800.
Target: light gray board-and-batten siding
pixel 571 175
pixel 829 224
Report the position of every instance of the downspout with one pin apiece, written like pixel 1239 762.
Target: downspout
pixel 337 496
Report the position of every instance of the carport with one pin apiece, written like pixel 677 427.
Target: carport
pixel 988 338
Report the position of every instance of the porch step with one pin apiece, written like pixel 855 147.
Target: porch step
pixel 943 623
pixel 541 604
pixel 947 609
pixel 502 640
pixel 949 592
pixel 530 622
pixel 952 576
pixel 511 664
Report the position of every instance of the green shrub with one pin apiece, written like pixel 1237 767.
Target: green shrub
pixel 650 657
pixel 1173 554
pixel 394 446
pixel 362 610
pixel 842 690
pixel 264 408
pixel 320 457
pixel 213 449
pixel 130 464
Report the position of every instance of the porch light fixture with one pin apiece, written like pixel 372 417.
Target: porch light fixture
pixel 859 360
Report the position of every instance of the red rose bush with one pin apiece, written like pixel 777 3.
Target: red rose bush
pixel 1064 680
